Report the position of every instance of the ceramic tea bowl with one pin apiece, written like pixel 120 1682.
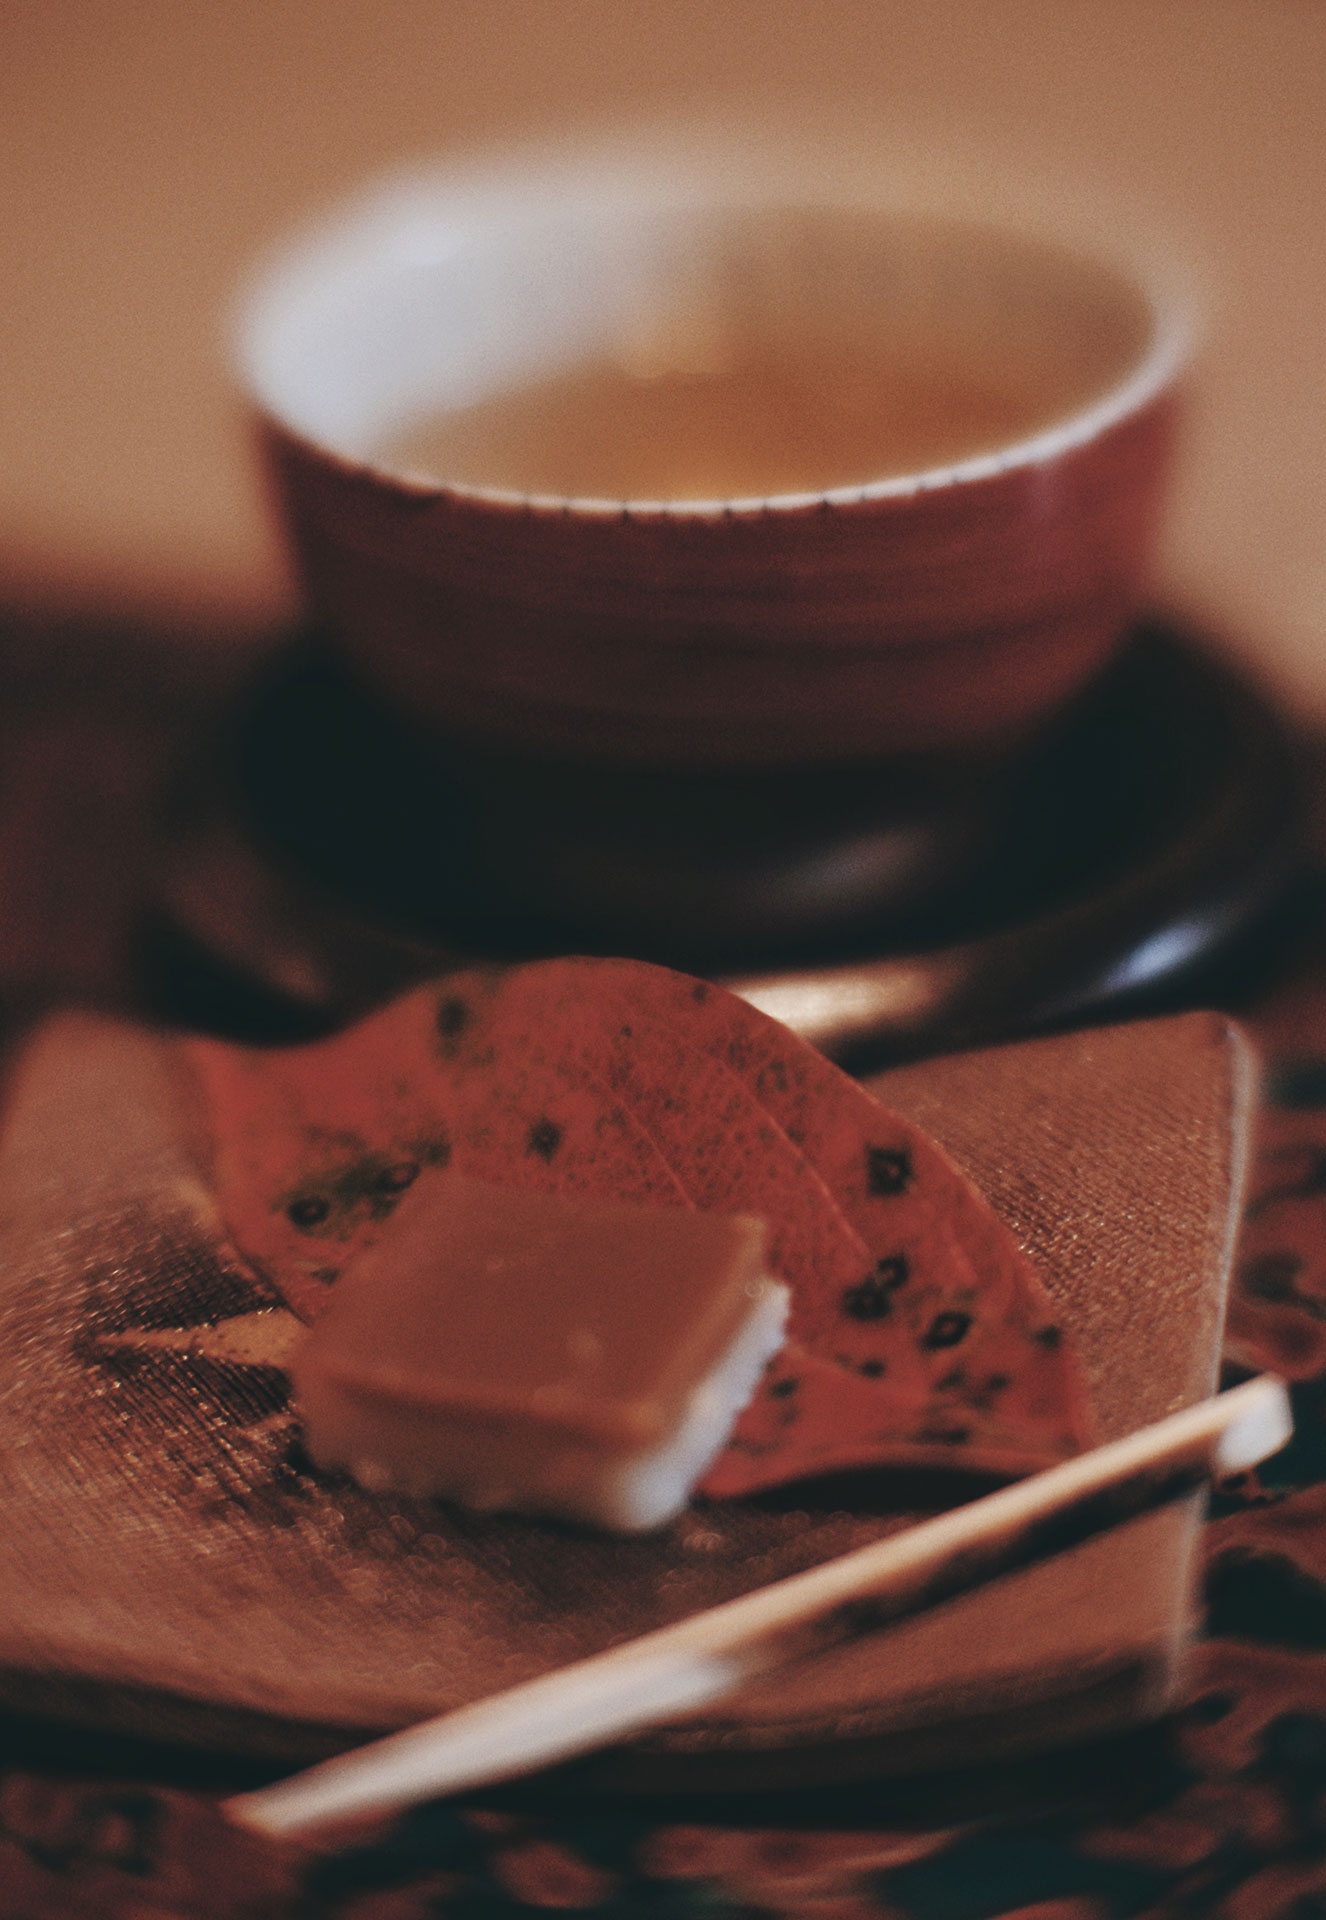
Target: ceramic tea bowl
pixel 946 534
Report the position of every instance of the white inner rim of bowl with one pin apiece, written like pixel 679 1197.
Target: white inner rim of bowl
pixel 403 308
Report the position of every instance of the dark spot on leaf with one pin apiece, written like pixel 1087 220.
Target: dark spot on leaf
pixel 888 1171
pixel 368 1187
pixel 397 1177
pixel 309 1211
pixel 947 1329
pixel 453 1016
pixel 434 1151
pixel 872 1299
pixel 1050 1337
pixel 981 1394
pixel 543 1138
pixel 873 1369
pixel 780 1389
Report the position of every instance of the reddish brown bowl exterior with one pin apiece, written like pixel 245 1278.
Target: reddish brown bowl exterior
pixel 958 614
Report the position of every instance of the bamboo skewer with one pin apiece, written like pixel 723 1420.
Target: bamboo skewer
pixel 680 1668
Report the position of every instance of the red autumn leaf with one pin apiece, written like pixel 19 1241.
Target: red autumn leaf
pixel 946 1313
pixel 724 1147
pixel 313 1146
pixel 919 1334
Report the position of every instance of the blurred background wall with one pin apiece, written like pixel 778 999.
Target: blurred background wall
pixel 148 148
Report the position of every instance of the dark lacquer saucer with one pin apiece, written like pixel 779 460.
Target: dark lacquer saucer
pixel 330 855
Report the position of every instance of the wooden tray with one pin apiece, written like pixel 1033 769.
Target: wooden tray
pixel 173 1568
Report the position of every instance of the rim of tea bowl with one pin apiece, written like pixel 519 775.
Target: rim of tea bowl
pixel 948 609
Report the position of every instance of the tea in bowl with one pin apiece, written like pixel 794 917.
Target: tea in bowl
pixel 640 474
